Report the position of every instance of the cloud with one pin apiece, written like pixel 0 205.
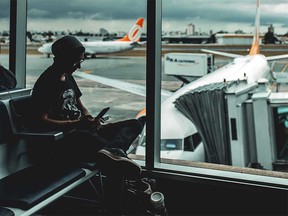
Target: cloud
pixel 36 13
pixel 102 9
pixel 205 14
pixel 4 9
pixel 226 14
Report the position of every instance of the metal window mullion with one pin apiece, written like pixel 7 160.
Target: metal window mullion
pixel 17 47
pixel 153 80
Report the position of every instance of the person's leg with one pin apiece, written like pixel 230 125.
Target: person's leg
pixel 81 145
pixel 113 160
pixel 121 134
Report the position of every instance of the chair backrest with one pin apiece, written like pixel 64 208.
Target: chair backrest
pixel 5 123
pixel 21 110
pixel 12 153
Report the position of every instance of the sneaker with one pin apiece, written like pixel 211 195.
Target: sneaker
pixel 114 160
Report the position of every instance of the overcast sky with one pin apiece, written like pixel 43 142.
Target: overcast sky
pixel 119 15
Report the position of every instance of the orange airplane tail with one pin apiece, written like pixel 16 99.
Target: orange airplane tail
pixel 255 47
pixel 135 32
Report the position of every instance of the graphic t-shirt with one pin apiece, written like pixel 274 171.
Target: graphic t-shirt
pixel 55 97
pixel 68 106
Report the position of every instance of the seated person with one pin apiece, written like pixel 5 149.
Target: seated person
pixel 57 106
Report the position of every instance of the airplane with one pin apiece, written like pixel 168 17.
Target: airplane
pixel 130 41
pixel 179 136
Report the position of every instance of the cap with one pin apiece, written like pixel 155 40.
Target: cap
pixel 67 45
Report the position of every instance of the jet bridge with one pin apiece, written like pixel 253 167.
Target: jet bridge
pixel 257 130
pixel 240 124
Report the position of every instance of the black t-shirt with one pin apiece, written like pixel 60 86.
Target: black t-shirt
pixel 55 97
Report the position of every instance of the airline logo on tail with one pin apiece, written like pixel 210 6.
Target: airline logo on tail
pixel 135 32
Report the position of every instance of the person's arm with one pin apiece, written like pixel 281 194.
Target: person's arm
pixel 87 119
pixel 63 125
pixel 83 109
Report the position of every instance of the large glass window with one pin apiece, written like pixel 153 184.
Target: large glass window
pixel 187 29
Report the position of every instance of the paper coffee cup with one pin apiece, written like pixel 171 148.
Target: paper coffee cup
pixel 157 199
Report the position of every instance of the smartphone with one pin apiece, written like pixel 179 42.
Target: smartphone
pixel 105 117
pixel 102 113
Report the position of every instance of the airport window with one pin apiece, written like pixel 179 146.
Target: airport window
pixel 179 55
pixel 171 144
pixel 43 27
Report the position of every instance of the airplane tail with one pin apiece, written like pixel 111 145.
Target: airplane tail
pixel 135 32
pixel 255 47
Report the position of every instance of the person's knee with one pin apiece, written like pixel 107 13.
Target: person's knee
pixel 137 125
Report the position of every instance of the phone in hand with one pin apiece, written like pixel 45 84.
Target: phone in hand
pixel 105 117
pixel 102 113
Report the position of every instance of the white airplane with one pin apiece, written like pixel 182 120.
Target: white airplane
pixel 93 48
pixel 179 136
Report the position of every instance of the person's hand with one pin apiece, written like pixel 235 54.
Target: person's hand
pixel 86 122
pixel 98 122
pixel 90 123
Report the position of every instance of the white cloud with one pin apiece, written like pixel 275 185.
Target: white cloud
pixel 38 12
pixel 207 15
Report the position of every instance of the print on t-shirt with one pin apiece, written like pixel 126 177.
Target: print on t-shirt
pixel 68 104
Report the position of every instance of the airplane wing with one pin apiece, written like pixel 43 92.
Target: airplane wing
pixel 269 58
pixel 230 55
pixel 126 86
pixel 272 58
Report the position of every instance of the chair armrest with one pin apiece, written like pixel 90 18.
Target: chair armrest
pixel 47 136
